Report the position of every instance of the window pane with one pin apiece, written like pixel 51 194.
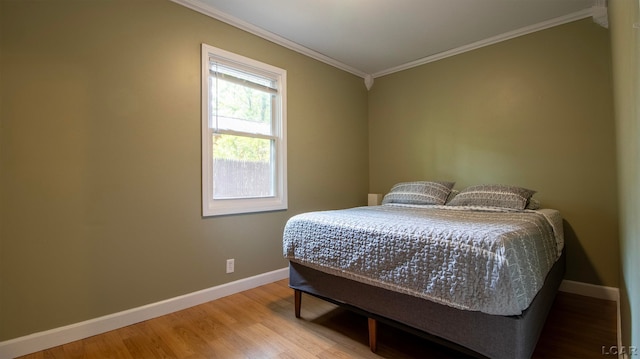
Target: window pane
pixel 242 167
pixel 240 108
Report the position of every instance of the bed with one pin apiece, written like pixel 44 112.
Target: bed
pixel 476 270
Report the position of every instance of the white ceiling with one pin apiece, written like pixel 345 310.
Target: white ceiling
pixel 377 37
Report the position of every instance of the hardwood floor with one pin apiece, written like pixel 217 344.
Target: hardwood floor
pixel 260 323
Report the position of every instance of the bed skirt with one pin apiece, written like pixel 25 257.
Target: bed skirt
pixel 476 333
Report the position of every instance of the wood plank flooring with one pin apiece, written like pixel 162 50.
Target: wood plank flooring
pixel 260 323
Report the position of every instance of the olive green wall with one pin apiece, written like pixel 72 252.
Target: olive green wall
pixel 100 158
pixel 534 111
pixel 100 151
pixel 625 43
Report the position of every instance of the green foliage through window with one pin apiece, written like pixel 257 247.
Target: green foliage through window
pixel 241 148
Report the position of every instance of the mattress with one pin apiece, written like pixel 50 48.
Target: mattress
pixel 467 258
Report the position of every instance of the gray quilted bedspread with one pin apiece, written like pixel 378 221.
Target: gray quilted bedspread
pixel 493 262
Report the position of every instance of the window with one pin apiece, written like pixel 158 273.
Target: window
pixel 243 134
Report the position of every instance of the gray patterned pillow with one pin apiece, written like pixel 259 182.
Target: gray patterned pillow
pixel 420 192
pixel 454 192
pixel 533 204
pixel 502 196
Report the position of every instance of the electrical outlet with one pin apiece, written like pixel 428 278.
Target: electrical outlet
pixel 230 265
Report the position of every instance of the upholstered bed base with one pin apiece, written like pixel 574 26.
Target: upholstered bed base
pixel 475 333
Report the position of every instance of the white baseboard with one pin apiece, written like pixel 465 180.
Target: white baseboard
pixel 619 329
pixel 600 292
pixel 590 290
pixel 58 336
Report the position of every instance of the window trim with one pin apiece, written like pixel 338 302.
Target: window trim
pixel 279 201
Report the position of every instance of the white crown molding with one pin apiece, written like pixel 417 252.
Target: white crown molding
pixel 208 10
pixel 489 41
pixel 47 339
pixel 600 13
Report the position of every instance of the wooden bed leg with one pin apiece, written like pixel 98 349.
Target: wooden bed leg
pixel 297 299
pixel 373 335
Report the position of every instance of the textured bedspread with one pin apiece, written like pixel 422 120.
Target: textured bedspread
pixel 493 262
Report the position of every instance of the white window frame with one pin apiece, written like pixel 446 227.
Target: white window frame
pixel 218 207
